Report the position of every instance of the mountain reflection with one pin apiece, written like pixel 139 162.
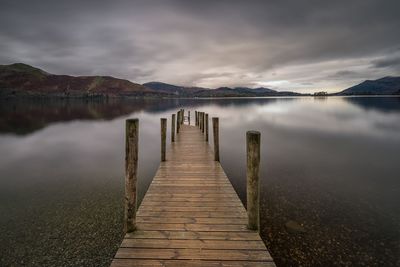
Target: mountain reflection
pixel 25 116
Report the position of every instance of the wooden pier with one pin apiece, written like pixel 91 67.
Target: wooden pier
pixel 191 215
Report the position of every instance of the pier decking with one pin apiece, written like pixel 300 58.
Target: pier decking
pixel 191 215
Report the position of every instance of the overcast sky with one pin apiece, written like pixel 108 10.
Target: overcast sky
pixel 303 46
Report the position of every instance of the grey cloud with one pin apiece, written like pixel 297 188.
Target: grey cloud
pixel 388 62
pixel 203 43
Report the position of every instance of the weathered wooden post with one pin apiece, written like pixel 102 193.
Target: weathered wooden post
pixel 163 137
pixel 252 176
pixel 206 127
pixel 178 124
pixel 131 164
pixel 189 117
pixel 203 122
pixel 199 116
pixel 173 128
pixel 199 125
pixel 216 138
pixel 182 116
pixel 195 117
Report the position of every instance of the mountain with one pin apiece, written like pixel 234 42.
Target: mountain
pixel 23 80
pixel 174 89
pixel 183 91
pixel 243 92
pixel 384 86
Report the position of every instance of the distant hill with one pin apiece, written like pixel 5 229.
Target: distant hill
pixel 23 80
pixel 218 92
pixel 384 86
pixel 174 89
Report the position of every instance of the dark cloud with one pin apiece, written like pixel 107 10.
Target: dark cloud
pixel 387 62
pixel 301 45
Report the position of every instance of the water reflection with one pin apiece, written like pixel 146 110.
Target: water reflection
pixel 330 164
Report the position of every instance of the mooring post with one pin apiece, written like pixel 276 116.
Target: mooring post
pixel 173 128
pixel 195 117
pixel 189 117
pixel 163 137
pixel 199 124
pixel 131 165
pixel 216 138
pixel 178 124
pixel 206 127
pixel 253 181
pixel 204 120
pixel 182 116
pixel 201 121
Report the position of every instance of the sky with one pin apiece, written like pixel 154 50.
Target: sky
pixel 302 46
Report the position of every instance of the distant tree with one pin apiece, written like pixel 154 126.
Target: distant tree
pixel 322 93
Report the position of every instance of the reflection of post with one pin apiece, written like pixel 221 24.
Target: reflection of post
pixel 131 164
pixel 173 128
pixel 206 127
pixel 252 173
pixel 163 137
pixel 216 138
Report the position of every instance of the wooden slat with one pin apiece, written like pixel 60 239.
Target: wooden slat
pixel 142 219
pixel 188 235
pixel 190 204
pixel 199 214
pixel 186 263
pixel 193 254
pixel 191 215
pixel 204 244
pixel 192 227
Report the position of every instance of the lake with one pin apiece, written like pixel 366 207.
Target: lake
pixel 329 164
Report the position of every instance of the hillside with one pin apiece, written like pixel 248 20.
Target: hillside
pixel 384 86
pixel 218 92
pixel 24 80
pixel 174 89
pixel 21 80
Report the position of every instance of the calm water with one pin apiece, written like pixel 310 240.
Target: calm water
pixel 330 164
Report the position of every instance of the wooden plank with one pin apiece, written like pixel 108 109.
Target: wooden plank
pixel 197 220
pixel 188 235
pixel 188 208
pixel 193 254
pixel 189 204
pixel 193 196
pixel 199 214
pixel 186 263
pixel 193 227
pixel 204 244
